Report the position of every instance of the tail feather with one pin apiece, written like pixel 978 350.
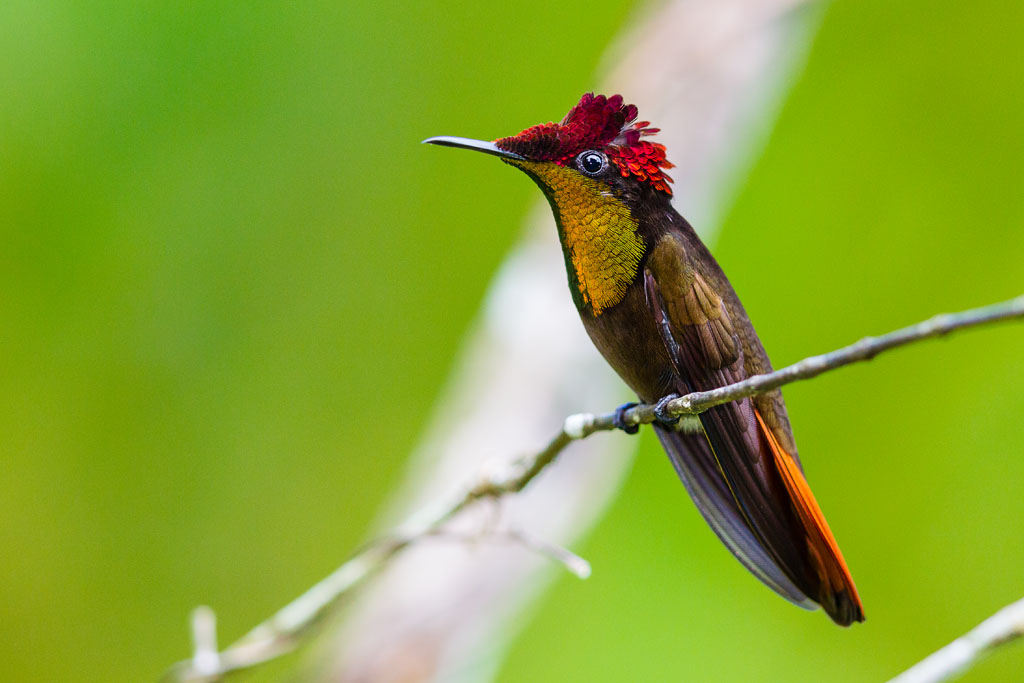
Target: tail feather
pixel 837 594
pixel 767 544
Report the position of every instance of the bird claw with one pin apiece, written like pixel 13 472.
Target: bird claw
pixel 661 414
pixel 619 420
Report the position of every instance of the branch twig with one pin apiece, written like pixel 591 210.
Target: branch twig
pixel 573 563
pixel 1005 625
pixel 283 631
pixel 865 349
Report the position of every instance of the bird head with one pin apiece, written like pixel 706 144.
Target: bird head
pixel 599 174
pixel 599 139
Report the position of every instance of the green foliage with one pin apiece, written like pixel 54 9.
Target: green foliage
pixel 225 252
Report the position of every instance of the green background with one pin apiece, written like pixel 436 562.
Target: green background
pixel 221 242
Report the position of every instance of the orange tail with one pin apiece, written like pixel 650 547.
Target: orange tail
pixel 838 596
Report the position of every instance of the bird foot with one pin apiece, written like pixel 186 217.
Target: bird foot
pixel 661 412
pixel 620 421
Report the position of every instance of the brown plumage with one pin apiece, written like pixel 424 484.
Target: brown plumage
pixel 661 311
pixel 682 328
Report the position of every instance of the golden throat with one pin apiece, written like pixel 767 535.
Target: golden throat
pixel 598 234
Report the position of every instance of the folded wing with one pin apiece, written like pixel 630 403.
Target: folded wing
pixel 748 487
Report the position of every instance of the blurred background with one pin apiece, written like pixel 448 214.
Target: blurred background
pixel 224 250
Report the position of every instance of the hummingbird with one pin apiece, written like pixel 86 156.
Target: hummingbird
pixel 660 310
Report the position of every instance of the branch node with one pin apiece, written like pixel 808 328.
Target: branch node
pixel 681 406
pixel 579 425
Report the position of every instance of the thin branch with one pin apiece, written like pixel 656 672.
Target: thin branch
pixel 865 349
pixel 572 562
pixel 206 658
pixel 284 630
pixel 1002 627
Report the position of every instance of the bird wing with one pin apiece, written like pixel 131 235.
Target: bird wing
pixel 769 494
pixel 695 462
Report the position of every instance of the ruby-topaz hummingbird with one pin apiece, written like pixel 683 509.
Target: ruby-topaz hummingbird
pixel 662 313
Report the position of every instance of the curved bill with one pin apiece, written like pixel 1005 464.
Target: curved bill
pixel 478 145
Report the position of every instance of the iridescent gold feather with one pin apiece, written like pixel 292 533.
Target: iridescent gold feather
pixel 598 232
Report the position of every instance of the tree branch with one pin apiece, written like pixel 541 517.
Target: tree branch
pixel 1002 627
pixel 865 349
pixel 284 630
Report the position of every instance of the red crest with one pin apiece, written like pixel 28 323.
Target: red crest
pixel 597 122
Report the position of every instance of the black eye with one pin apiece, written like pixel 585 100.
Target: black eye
pixel 591 162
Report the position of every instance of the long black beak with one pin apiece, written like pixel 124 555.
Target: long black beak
pixel 478 145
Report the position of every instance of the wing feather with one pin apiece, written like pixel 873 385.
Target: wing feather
pixel 696 466
pixel 755 496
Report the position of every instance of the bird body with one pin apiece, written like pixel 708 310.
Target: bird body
pixel 663 314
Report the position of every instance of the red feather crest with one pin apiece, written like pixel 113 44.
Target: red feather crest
pixel 597 122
